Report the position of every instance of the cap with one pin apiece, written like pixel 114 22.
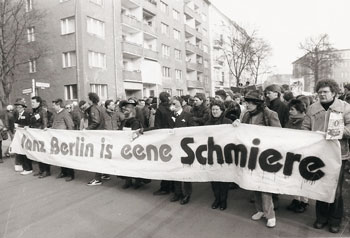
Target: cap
pixel 130 101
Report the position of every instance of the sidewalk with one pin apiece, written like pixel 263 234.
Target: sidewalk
pixel 50 208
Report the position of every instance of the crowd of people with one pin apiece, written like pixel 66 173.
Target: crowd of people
pixel 272 107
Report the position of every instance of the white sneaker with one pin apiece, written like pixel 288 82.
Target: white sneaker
pixel 18 168
pixel 257 216
pixel 26 172
pixel 271 222
pixel 94 182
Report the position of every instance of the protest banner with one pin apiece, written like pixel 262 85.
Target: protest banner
pixel 257 158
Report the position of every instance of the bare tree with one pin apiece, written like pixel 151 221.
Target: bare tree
pixel 319 56
pixel 236 47
pixel 18 19
pixel 261 50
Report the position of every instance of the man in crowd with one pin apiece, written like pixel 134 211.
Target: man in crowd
pixel 200 112
pixel 62 120
pixel 273 94
pixel 39 120
pixel 317 118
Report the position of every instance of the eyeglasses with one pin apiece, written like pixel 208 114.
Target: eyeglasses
pixel 323 92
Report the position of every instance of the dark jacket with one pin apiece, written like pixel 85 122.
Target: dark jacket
pixel 183 120
pixel 95 118
pixel 295 123
pixel 282 110
pixel 76 117
pixel 233 110
pixel 132 123
pixel 62 120
pixel 24 119
pixel 200 114
pixel 266 117
pixel 218 121
pixel 112 121
pixel 163 117
pixel 10 121
pixel 38 118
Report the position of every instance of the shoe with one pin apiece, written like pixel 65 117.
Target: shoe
pixel 37 174
pixel 61 175
pixel 18 168
pixel 94 182
pixel 257 216
pixel 301 207
pixel 319 225
pixel 295 203
pixel 106 177
pixel 127 184
pixel 185 200
pixel 334 228
pixel 26 172
pixel 223 205
pixel 44 175
pixel 137 184
pixel 176 198
pixel 8 155
pixel 69 178
pixel 271 223
pixel 215 204
pixel 160 192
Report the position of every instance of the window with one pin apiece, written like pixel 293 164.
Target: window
pixel 163 7
pixel 30 34
pixel 100 90
pixel 205 48
pixel 176 34
pixel 68 59
pixel 32 66
pixel 165 51
pixel 71 92
pixel 176 14
pixel 98 2
pixel 164 28
pixel 206 63
pixel 177 54
pixel 29 5
pixel 180 92
pixel 96 27
pixel 166 72
pixel 178 74
pixel 97 60
pixel 67 25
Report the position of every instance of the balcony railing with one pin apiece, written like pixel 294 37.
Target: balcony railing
pixel 132 48
pixel 132 75
pixel 148 53
pixel 150 5
pixel 131 21
pixel 194 84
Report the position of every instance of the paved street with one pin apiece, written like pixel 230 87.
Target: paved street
pixel 50 207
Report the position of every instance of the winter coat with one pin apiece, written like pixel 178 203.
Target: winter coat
pixel 266 117
pixel 2 126
pixel 95 118
pixel 282 110
pixel 295 123
pixel 76 117
pixel 38 118
pixel 163 117
pixel 112 121
pixel 218 121
pixel 317 118
pixel 10 121
pixel 183 120
pixel 62 120
pixel 200 114
pixel 24 119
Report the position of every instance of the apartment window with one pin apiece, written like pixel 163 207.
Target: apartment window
pixel 165 51
pixel 96 27
pixel 67 25
pixel 100 90
pixel 206 63
pixel 178 74
pixel 98 2
pixel 97 60
pixel 71 92
pixel 176 14
pixel 69 59
pixel 163 7
pixel 164 28
pixel 30 34
pixel 177 54
pixel 166 72
pixel 180 92
pixel 176 34
pixel 29 5
pixel 32 66
pixel 205 48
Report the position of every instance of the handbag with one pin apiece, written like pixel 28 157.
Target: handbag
pixel 4 135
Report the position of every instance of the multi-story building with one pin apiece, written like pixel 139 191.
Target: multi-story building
pixel 120 49
pixel 339 70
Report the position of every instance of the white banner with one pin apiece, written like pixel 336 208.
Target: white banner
pixel 257 158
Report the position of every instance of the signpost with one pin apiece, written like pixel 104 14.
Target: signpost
pixel 27 91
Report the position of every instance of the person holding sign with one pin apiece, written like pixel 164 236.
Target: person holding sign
pixel 330 115
pixel 258 114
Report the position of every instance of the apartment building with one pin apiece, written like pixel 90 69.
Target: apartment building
pixel 340 71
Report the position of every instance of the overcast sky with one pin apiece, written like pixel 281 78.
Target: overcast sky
pixel 286 23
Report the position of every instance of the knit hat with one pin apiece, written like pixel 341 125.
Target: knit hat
pixel 201 96
pixel 221 93
pixel 21 101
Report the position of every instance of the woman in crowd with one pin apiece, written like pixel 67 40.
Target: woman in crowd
pixel 220 189
pixel 258 114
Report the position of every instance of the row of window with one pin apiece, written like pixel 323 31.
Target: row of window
pixel 165 8
pixel 94 26
pixel 179 92
pixel 166 72
pixel 29 3
pixel 71 91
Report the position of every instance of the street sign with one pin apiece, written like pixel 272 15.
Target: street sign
pixel 27 91
pixel 42 85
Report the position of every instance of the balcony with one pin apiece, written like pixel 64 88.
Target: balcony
pixel 191 66
pixel 130 4
pixel 189 11
pixel 194 84
pixel 131 50
pixel 150 30
pixel 192 48
pixel 190 31
pixel 150 5
pixel 131 21
pixel 150 54
pixel 132 75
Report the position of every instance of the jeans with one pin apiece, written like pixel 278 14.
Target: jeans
pixel 263 203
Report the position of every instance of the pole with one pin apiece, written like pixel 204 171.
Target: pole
pixel 33 88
